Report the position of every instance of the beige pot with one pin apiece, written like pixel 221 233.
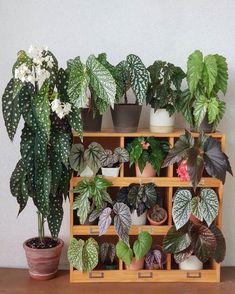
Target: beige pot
pixel 148 171
pixel 43 263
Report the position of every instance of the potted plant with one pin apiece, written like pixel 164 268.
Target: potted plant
pixel 194 238
pixel 139 198
pixel 134 258
pixel 92 196
pixel 107 255
pixel 91 77
pixel 155 259
pixel 111 161
pixel 195 154
pixel 43 171
pixel 148 155
pixel 163 95
pixel 157 215
pixel 128 74
pixel 83 255
pixel 86 162
pixel 206 77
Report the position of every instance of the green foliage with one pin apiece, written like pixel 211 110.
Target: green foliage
pixel 140 248
pixel 83 255
pixel 206 77
pixel 107 252
pixel 152 150
pixel 164 90
pixel 91 192
pixel 114 159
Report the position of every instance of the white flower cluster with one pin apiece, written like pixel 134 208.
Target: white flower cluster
pixel 37 73
pixel 61 109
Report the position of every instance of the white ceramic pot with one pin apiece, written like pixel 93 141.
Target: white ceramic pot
pixel 87 172
pixel 138 220
pixel 110 171
pixel 161 121
pixel 191 263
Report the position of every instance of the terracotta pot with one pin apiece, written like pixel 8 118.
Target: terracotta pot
pixel 136 264
pixel 148 171
pixel 154 223
pixel 90 123
pixel 43 263
pixel 126 117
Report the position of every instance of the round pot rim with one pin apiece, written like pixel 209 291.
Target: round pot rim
pixel 154 222
pixel 61 244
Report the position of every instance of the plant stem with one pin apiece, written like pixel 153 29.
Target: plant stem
pixel 125 97
pixel 41 230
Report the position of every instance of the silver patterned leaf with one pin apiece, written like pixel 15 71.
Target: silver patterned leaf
pixel 209 205
pixel 105 220
pixel 182 207
pixel 122 221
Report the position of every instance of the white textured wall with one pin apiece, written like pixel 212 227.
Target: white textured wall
pixel 152 29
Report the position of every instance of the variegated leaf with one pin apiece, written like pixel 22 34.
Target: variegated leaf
pixel 209 205
pixel 197 208
pixel 122 221
pixel 105 220
pixel 182 207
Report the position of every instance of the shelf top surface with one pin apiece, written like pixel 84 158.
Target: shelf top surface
pixel 142 132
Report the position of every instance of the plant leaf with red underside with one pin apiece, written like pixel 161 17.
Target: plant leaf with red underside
pixel 220 244
pixel 183 255
pixel 195 166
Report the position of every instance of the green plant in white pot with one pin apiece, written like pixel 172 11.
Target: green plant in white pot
pixel 43 173
pixel 207 79
pixel 163 95
pixel 92 88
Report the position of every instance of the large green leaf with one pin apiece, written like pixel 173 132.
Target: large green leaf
pixel 176 241
pixel 209 205
pixel 101 80
pixel 75 121
pixel 11 109
pixel 90 255
pixel 209 72
pixel 56 213
pixel 142 245
pixel 222 74
pixel 75 253
pixel 92 156
pixel 200 109
pixel 220 244
pixel 78 83
pixel 76 158
pixel 124 252
pixel 194 70
pixel 122 221
pixel 61 143
pixel 184 105
pixel 139 77
pixel 213 109
pixel 182 207
pixel 82 204
pixel 221 111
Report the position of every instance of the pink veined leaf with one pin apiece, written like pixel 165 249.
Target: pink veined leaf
pixel 104 221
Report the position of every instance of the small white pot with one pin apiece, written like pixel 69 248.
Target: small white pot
pixel 138 220
pixel 191 263
pixel 87 172
pixel 161 121
pixel 110 171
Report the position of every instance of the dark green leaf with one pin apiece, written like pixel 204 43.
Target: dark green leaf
pixel 220 244
pixel 195 164
pixel 76 158
pixel 142 245
pixel 56 213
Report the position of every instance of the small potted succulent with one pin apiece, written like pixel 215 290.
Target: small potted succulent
pixel 155 259
pixel 157 215
pixel 111 161
pixel 134 258
pixel 92 88
pixel 148 155
pixel 194 237
pixel 195 154
pixel 86 162
pixel 139 199
pixel 107 255
pixel 163 95
pixel 207 78
pixel 92 196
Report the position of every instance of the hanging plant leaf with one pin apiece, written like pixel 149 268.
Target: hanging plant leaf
pixel 209 205
pixel 176 241
pixel 124 252
pixel 142 245
pixel 183 255
pixel 96 213
pixel 197 208
pixel 122 221
pixel 203 242
pixel 75 121
pixel 62 82
pixel 182 207
pixel 76 158
pixel 92 156
pixel 220 244
pixel 195 164
pixel 61 143
pixel 105 220
pixel 56 172
pixel 55 215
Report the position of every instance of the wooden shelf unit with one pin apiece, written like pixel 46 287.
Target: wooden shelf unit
pixel 168 181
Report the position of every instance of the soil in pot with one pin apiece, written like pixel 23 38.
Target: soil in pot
pixel 90 123
pixel 126 117
pixel 43 262
pixel 161 121
pixel 148 171
pixel 136 264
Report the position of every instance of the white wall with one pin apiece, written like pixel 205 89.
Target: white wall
pixel 153 29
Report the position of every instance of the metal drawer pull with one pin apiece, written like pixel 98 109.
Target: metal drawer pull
pixel 96 275
pixel 94 231
pixel 192 275
pixel 145 275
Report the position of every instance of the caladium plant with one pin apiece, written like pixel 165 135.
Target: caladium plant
pixel 197 154
pixel 114 159
pixel 121 216
pixel 139 197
